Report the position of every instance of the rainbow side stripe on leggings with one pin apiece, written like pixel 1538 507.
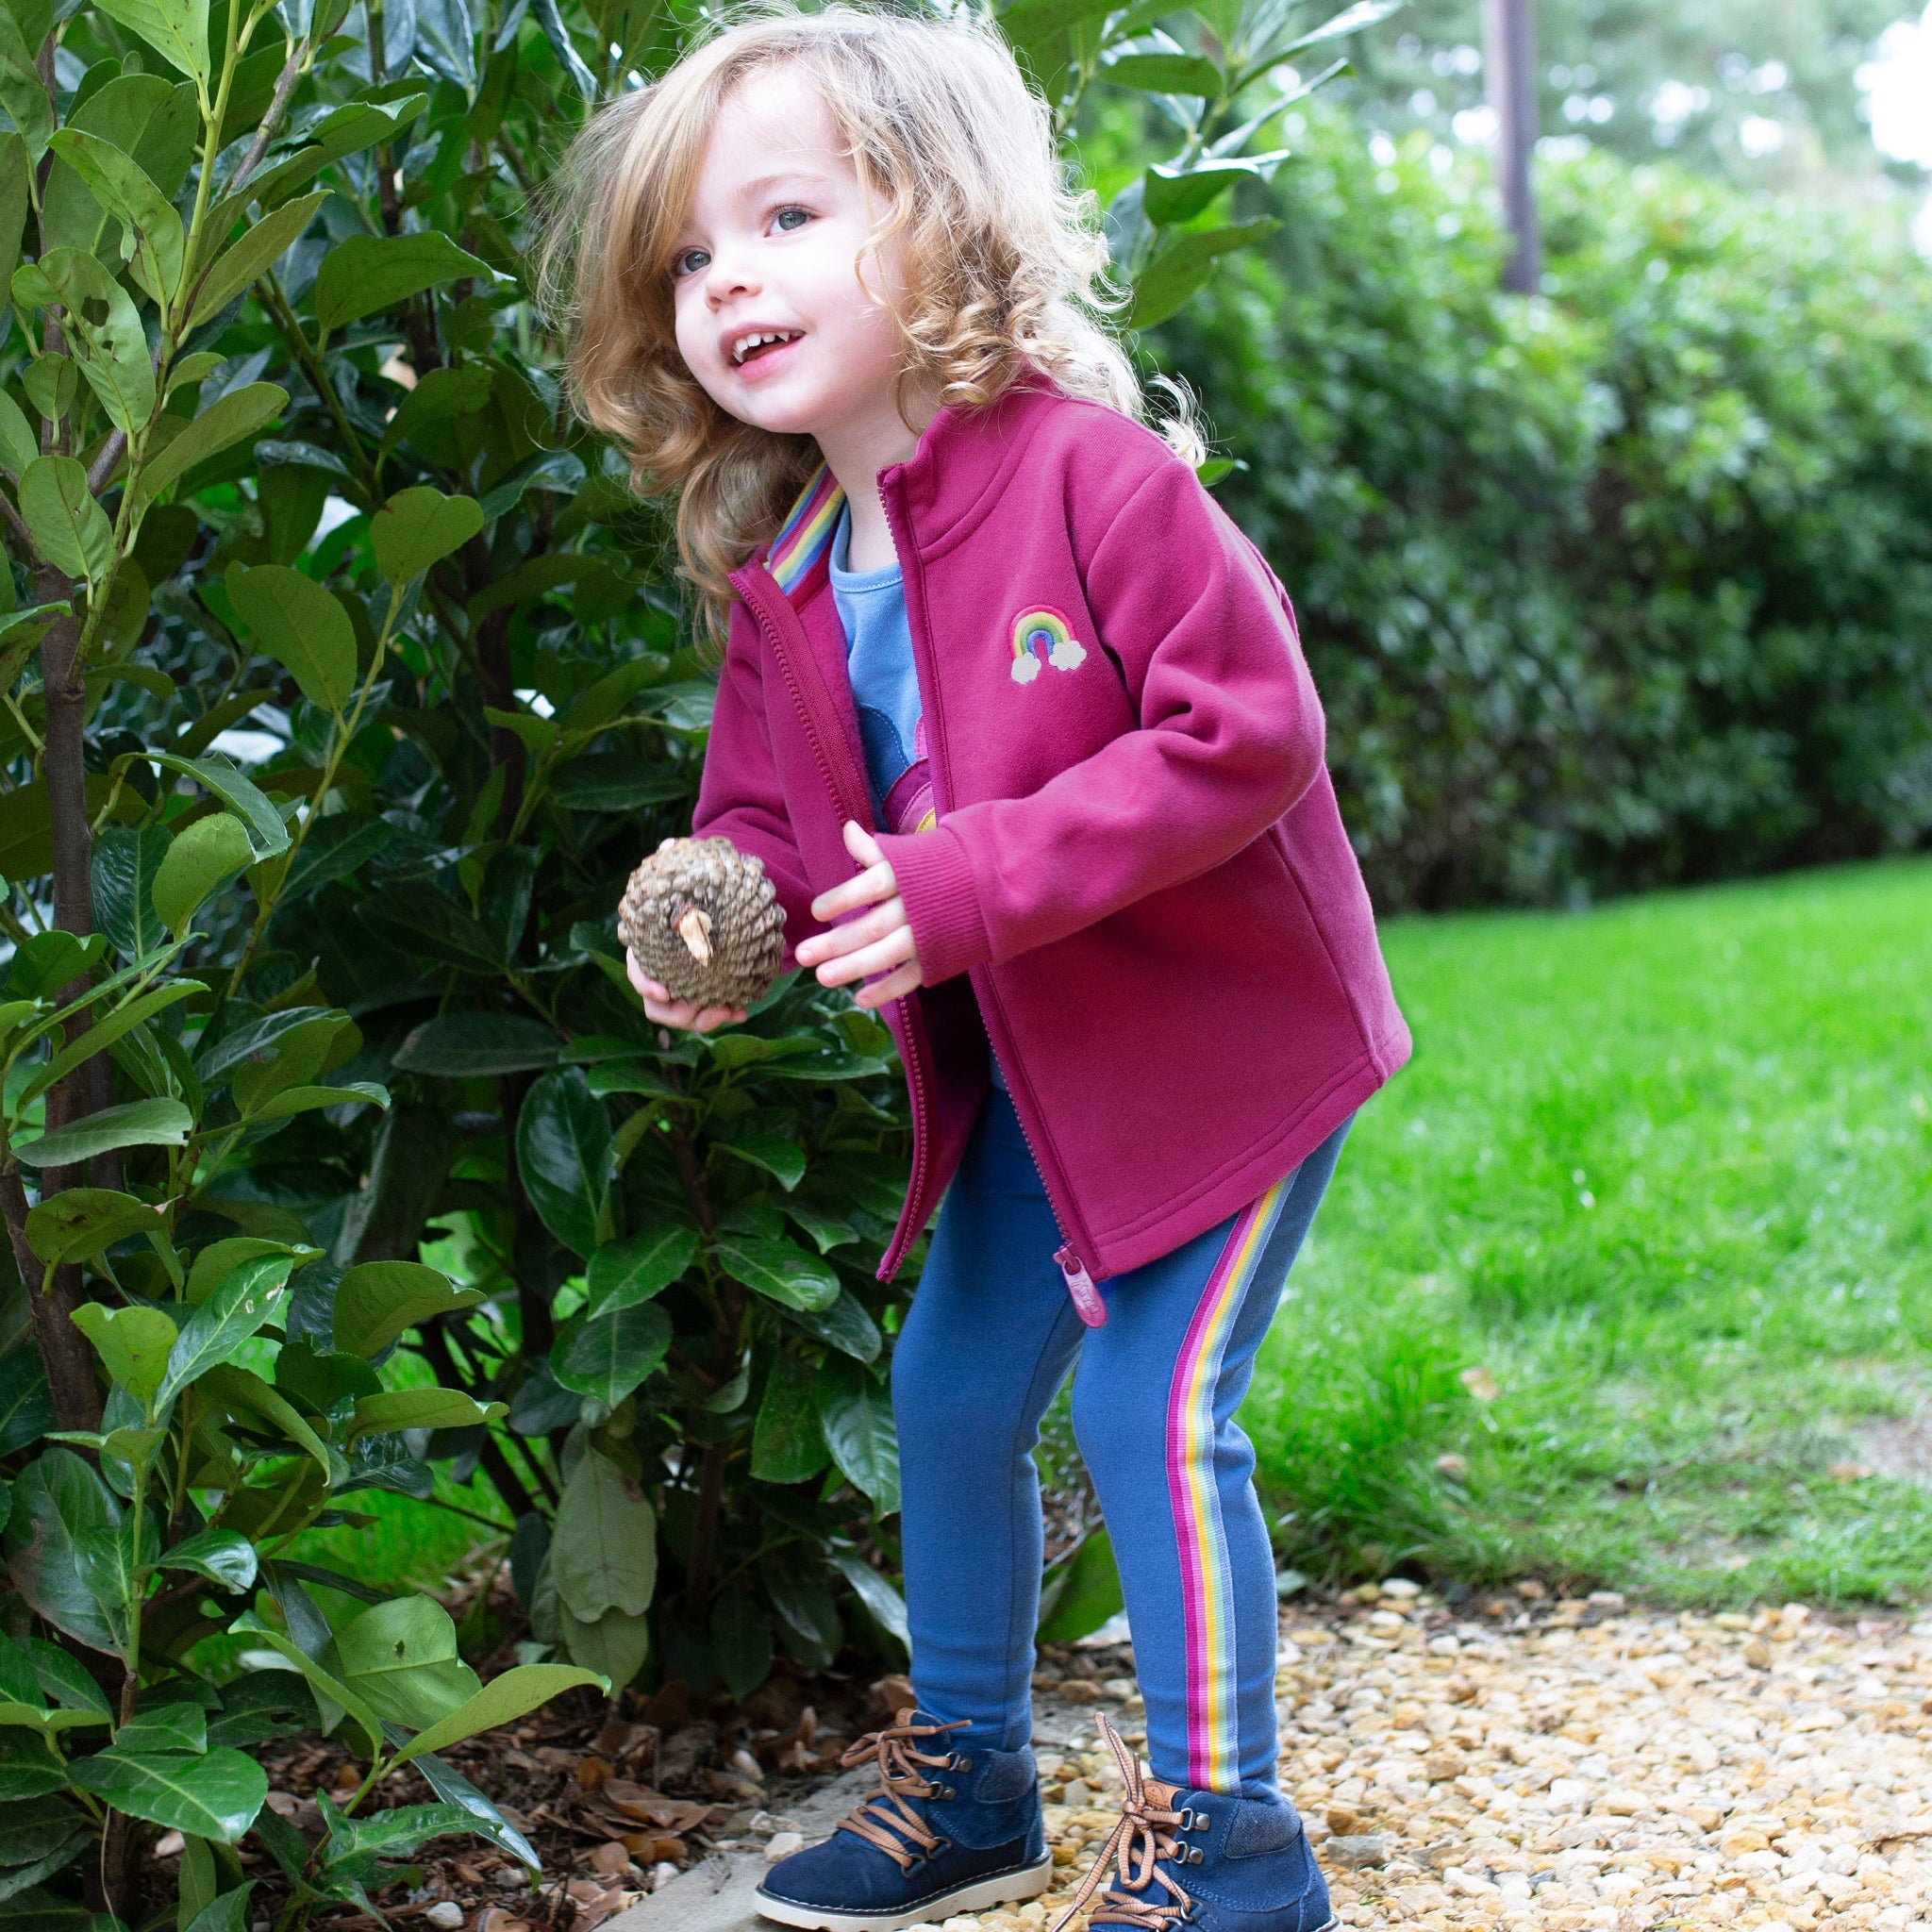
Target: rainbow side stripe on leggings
pixel 1206 1586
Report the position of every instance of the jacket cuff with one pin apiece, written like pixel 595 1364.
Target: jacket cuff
pixel 941 902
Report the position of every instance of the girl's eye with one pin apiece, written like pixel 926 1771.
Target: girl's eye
pixel 677 264
pixel 803 215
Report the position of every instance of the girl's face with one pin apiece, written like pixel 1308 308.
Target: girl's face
pixel 771 247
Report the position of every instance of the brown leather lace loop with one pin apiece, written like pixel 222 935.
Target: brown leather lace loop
pixel 1138 1840
pixel 885 1813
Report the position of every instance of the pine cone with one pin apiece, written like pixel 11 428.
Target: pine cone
pixel 703 922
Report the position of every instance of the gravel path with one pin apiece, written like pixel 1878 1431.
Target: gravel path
pixel 1570 1765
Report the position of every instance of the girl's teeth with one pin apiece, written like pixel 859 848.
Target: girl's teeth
pixel 751 343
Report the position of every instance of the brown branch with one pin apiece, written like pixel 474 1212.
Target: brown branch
pixel 106 463
pixel 69 1360
pixel 17 524
pixel 285 86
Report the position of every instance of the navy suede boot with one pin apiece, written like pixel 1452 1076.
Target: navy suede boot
pixel 1201 1860
pixel 947 1831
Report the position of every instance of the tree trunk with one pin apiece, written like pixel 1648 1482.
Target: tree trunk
pixel 68 1359
pixel 1509 64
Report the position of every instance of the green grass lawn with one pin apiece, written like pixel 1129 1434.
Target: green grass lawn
pixel 1658 1183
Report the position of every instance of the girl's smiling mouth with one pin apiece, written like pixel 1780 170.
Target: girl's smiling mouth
pixel 755 348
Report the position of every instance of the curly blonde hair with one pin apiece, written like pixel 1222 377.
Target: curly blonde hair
pixel 951 147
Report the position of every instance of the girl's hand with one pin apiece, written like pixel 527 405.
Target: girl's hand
pixel 879 940
pixel 660 1007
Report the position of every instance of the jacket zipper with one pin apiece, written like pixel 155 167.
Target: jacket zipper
pixel 1088 1301
pixel 920 1074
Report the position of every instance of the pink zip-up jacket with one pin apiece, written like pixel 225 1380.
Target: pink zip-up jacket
pixel 1138 881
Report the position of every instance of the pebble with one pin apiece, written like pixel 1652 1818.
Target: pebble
pixel 783 1843
pixel 1582 1765
pixel 445 1915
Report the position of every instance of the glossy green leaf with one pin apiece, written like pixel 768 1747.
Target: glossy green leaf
pixel 607 1355
pixel 164 1727
pixel 80 1224
pixel 1165 73
pixel 203 858
pixel 425 923
pixel 502 1701
pixel 782 1158
pixel 379 1301
pixel 888 1607
pixel 370 272
pixel 485 1818
pixel 1087 1595
pixel 125 863
pixel 630 1272
pixel 121 187
pixel 23 93
pixel 564 1153
pixel 257 251
pixel 214 1796
pixel 614 1645
pixel 391 1834
pixel 779 1270
pixel 787 1445
pixel 477 1045
pixel 421 1409
pixel 400 1657
pixel 68 527
pixel 334 1696
pixel 604 1544
pixel 235 1310
pixel 97 1037
pixel 1184 265
pixel 19 446
pixel 302 626
pixel 133 1343
pixel 102 329
pixel 222 1556
pixel 240 413
pixel 175 29
pixel 136 1124
pixel 856 1414
pixel 417 528
pixel 844 1325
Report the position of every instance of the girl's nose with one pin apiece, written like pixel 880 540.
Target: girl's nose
pixel 729 272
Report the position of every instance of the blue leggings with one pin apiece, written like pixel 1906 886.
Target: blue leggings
pixel 989 1339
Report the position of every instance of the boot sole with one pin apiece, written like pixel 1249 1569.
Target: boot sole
pixel 1012 1886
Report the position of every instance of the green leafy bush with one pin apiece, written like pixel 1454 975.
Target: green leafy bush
pixel 1626 584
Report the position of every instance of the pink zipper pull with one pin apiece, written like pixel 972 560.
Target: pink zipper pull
pixel 1087 1301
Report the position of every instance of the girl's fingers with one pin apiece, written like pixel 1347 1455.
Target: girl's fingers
pixel 875 883
pixel 894 950
pixel 862 845
pixel 714 1017
pixel 894 986
pixel 853 934
pixel 647 988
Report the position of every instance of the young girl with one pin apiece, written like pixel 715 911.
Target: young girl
pixel 1017 721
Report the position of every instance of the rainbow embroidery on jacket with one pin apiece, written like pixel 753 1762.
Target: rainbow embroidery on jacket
pixel 807 531
pixel 1043 636
pixel 1206 1584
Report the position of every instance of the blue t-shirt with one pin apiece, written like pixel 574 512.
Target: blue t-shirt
pixel 878 657
pixel 885 681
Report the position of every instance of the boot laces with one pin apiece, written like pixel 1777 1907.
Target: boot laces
pixel 1138 1840
pixel 886 1820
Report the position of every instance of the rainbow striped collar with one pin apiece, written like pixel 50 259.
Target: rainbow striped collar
pixel 799 554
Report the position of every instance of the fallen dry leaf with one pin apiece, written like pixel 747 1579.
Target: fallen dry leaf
pixel 1480 1383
